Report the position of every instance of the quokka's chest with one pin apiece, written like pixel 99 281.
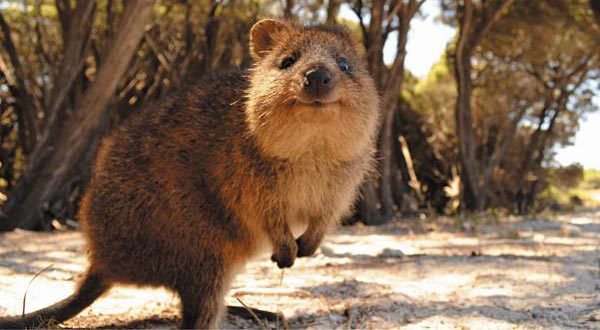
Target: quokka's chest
pixel 312 192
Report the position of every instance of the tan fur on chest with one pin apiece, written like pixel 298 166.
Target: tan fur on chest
pixel 306 191
pixel 311 191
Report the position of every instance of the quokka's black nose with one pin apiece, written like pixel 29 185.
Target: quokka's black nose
pixel 317 82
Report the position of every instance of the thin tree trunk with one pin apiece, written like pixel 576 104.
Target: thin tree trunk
pixel 473 24
pixel 287 9
pixel 391 91
pixel 333 9
pixel 595 5
pixel 501 149
pixel 367 206
pixel 473 198
pixel 45 182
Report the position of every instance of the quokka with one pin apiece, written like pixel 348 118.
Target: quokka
pixel 186 191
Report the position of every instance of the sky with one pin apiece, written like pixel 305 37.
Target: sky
pixel 586 149
pixel 426 43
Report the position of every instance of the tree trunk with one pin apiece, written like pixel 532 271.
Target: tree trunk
pixel 386 164
pixel 333 9
pixel 392 86
pixel 502 147
pixel 474 21
pixel 473 197
pixel 76 46
pixel 287 9
pixel 595 5
pixel 367 207
pixel 539 153
pixel 46 181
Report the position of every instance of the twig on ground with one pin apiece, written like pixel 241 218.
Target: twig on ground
pixel 253 313
pixel 257 314
pixel 286 326
pixel 28 285
pixel 281 277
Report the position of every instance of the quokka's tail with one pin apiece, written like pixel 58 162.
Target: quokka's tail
pixel 92 287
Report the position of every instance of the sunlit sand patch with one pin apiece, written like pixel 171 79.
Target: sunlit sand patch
pixel 582 220
pixel 463 322
pixel 368 245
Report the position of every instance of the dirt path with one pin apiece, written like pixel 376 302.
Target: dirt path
pixel 521 274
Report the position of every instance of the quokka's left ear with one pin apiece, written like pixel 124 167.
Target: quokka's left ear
pixel 261 36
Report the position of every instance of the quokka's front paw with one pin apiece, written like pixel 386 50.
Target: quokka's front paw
pixel 307 246
pixel 285 255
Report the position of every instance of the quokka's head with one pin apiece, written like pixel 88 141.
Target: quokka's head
pixel 310 92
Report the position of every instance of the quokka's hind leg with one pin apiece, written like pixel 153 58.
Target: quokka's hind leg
pixel 202 297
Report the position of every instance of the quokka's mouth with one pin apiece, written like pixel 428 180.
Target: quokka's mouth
pixel 317 103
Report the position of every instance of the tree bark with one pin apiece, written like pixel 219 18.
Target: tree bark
pixel 595 5
pixel 392 85
pixel 77 43
pixel 472 196
pixel 333 9
pixel 45 182
pixel 502 147
pixel 367 208
pixel 287 9
pixel 389 81
pixel 473 24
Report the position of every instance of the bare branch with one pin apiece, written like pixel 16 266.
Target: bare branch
pixel 18 85
pixel 490 16
pixel 357 9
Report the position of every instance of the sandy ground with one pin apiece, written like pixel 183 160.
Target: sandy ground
pixel 535 273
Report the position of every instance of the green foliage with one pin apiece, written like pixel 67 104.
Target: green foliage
pixel 582 190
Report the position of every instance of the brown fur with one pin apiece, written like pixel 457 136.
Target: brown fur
pixel 186 192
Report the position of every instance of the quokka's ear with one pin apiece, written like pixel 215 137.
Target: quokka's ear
pixel 261 36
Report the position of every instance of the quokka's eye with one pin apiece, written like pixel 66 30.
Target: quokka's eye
pixel 343 65
pixel 287 62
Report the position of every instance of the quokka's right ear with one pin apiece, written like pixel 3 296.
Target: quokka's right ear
pixel 261 36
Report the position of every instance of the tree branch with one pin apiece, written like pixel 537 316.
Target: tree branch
pixel 18 85
pixel 357 9
pixel 489 18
